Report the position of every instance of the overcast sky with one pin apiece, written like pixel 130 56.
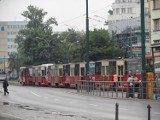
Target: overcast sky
pixel 66 12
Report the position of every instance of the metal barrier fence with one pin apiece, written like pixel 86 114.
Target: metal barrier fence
pixel 141 90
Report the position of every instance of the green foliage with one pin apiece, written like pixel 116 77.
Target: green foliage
pixel 100 43
pixel 37 43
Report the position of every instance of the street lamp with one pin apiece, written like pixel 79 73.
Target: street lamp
pixel 143 49
pixel 87 42
pixel 4 65
pixel 71 52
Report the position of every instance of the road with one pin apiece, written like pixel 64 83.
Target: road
pixel 40 103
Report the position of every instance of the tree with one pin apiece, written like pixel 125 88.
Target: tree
pixel 72 46
pixel 99 44
pixel 102 46
pixel 110 12
pixel 37 44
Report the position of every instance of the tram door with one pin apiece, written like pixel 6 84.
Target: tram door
pixel 60 73
pixel 105 70
pixel 120 71
pixel 82 71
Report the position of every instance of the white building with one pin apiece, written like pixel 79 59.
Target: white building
pixel 124 24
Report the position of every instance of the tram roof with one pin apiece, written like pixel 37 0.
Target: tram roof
pixel 47 65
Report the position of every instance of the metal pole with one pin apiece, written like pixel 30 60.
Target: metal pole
pixel 87 41
pixel 4 65
pixel 143 75
pixel 17 66
pixel 116 112
pixel 149 112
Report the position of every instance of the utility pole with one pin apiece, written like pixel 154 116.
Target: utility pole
pixel 143 74
pixel 4 65
pixel 87 41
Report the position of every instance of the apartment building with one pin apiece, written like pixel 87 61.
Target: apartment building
pixel 8 33
pixel 154 18
pixel 124 24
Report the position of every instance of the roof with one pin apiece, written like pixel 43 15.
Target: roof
pixel 155 45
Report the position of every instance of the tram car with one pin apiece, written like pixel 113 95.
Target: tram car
pixel 25 75
pixel 73 72
pixel 105 69
pixel 45 74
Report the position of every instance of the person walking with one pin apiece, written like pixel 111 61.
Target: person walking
pixel 136 83
pixel 115 80
pixel 5 85
pixel 130 86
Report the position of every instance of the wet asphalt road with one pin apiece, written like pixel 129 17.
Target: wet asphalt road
pixel 40 103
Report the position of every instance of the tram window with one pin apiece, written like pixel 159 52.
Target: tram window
pixel 107 70
pixel 25 72
pixel 112 67
pixel 76 72
pixel 55 71
pixel 64 70
pixel 36 72
pixel 82 71
pixel 98 68
pixel 72 71
pixel 120 70
pixel 49 71
pixel 39 72
pixel 60 72
pixel 68 70
pixel 43 72
pixel 103 70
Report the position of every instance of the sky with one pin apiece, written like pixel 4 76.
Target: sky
pixel 68 13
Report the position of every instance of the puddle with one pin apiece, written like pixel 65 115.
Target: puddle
pixel 5 103
pixel 26 107
pixel 67 115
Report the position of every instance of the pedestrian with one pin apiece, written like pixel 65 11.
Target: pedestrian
pixel 5 85
pixel 136 83
pixel 115 82
pixel 130 86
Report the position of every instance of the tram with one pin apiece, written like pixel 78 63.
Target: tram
pixel 67 75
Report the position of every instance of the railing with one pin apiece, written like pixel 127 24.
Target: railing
pixel 141 90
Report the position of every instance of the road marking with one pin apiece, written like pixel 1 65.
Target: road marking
pixel 11 115
pixel 35 94
pixel 72 102
pixel 93 105
pixel 156 113
pixel 123 109
pixel 56 99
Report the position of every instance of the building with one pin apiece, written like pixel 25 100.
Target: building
pixel 154 18
pixel 124 24
pixel 8 32
pixel 154 28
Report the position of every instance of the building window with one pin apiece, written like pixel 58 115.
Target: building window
pixel 156 4
pixel 123 10
pixel 117 11
pixel 117 1
pixel 156 41
pixel 129 10
pixel 156 24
